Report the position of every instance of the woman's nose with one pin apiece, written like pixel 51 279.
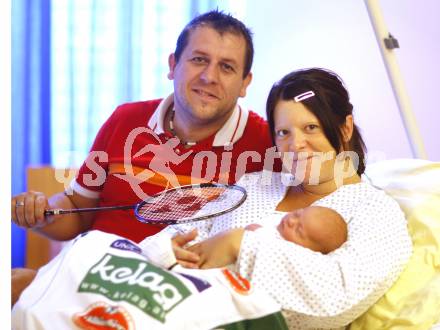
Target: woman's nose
pixel 297 141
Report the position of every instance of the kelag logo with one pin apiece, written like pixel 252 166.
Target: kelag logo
pixel 149 288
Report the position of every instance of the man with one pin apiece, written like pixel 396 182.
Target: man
pixel 211 70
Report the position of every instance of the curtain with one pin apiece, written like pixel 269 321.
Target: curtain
pixel 30 99
pixel 106 53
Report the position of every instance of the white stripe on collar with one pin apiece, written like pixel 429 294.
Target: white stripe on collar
pixel 157 119
pixel 230 133
pixel 233 129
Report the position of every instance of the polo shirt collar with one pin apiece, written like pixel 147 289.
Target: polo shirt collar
pixel 158 117
pixel 230 133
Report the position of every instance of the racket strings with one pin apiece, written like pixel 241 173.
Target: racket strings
pixel 177 204
pixel 184 204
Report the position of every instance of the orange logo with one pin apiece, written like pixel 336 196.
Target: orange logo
pixel 102 316
pixel 238 283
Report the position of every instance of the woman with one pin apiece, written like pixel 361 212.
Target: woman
pixel 311 119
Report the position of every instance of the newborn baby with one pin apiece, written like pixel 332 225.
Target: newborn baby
pixel 317 228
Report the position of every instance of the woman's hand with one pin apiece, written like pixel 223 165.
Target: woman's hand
pixel 219 250
pixel 183 256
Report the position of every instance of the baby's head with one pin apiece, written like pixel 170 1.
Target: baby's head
pixel 317 228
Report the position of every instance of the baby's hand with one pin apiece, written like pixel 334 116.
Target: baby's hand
pixel 252 227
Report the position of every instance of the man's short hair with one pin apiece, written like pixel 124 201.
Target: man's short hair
pixel 222 23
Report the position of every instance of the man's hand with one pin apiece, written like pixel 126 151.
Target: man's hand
pixel 27 209
pixel 219 250
pixel 185 257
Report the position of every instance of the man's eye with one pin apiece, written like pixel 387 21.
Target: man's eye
pixel 228 68
pixel 198 59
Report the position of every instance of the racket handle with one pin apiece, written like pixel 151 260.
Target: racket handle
pixel 87 209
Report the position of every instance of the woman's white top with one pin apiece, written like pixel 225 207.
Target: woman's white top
pixel 316 290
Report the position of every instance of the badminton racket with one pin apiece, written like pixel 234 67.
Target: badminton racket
pixel 178 205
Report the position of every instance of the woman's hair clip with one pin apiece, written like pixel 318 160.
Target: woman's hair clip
pixel 304 96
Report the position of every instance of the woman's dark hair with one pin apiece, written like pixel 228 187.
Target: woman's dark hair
pixel 222 23
pixel 330 105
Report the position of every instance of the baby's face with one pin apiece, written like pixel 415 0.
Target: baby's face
pixel 316 228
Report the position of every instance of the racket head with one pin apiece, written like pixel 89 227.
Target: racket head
pixel 190 203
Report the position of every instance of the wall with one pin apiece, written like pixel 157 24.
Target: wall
pixel 338 35
pixel 417 25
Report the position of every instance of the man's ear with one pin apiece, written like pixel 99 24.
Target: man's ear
pixel 347 128
pixel 246 82
pixel 171 65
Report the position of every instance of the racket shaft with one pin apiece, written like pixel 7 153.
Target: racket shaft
pixel 88 209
